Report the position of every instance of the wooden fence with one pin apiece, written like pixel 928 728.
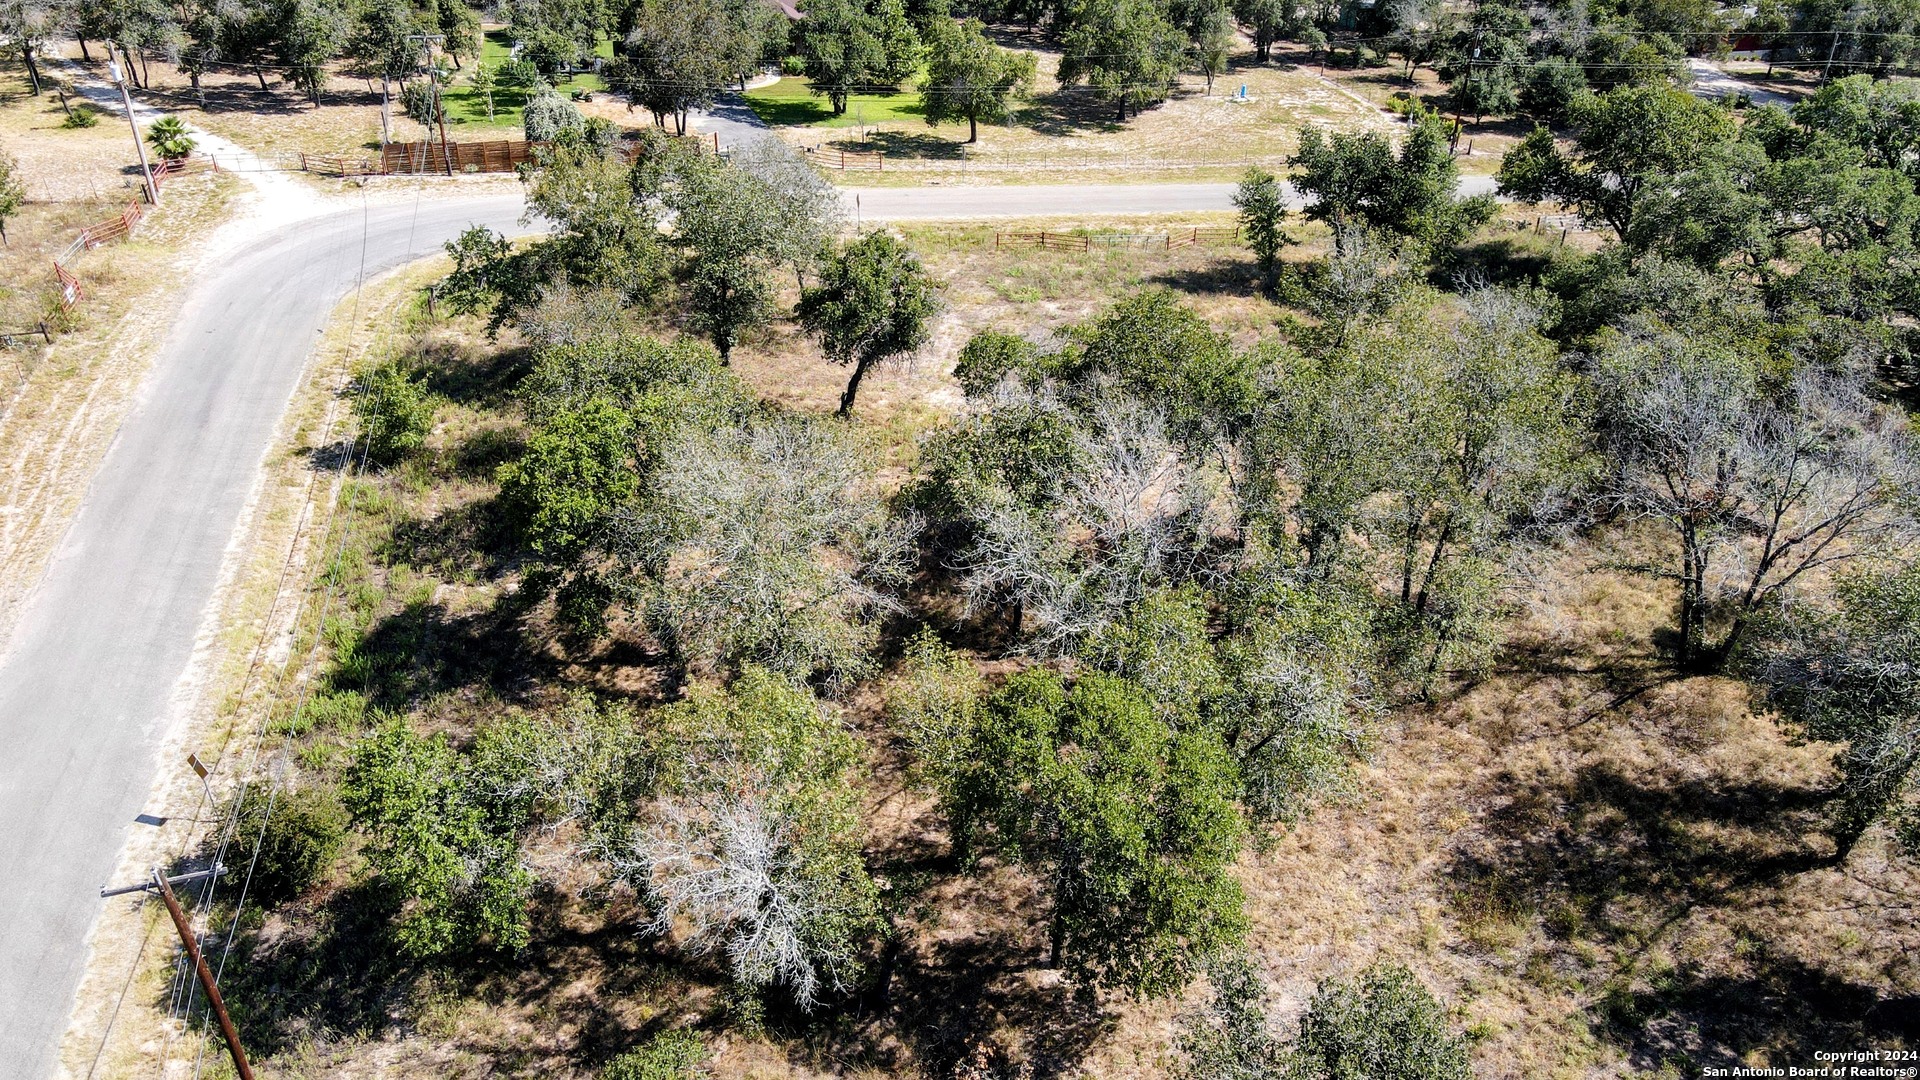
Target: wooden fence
pixel 498 156
pixel 424 158
pixel 1167 241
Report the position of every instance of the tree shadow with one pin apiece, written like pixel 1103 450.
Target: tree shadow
pixel 1608 858
pixel 331 970
pixel 469 539
pixel 1505 261
pixel 1224 277
pixel 486 381
pixel 918 146
pixel 425 649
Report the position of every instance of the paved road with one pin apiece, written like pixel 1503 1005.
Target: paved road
pixel 86 681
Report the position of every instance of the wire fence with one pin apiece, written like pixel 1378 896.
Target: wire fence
pixel 1113 241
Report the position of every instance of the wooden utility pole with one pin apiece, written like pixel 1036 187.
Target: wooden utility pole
pixel 427 42
pixel 163 885
pixel 153 189
pixel 206 977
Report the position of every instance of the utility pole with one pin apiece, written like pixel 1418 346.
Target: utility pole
pixel 119 80
pixel 1826 75
pixel 427 42
pixel 163 885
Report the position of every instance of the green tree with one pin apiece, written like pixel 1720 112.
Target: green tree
pixel 607 219
pixel 1555 90
pixel 1849 673
pixel 1483 61
pixel 547 115
pixel 312 33
pixel 485 82
pixel 1266 19
pixel 1132 826
pixel 873 304
pixel 969 77
pixel 287 839
pixel 1382 1024
pixel 576 468
pixel 728 224
pixel 753 847
pixel 1629 141
pixel 452 868
pixel 1214 44
pixel 29 25
pixel 1362 181
pixel 1125 51
pixel 1878 118
pixel 13 191
pixel 843 49
pixel 380 44
pixel 678 55
pixel 1263 215
pixel 900 46
pixel 459 26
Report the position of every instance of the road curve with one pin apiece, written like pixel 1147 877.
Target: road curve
pixel 87 678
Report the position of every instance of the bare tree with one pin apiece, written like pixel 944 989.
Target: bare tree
pixel 767 543
pixel 725 868
pixel 807 207
pixel 1761 486
pixel 1138 514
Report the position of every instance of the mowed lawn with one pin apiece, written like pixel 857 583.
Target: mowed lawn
pixel 465 105
pixel 791 102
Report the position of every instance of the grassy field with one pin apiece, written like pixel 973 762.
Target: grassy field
pixel 466 106
pixel 1064 135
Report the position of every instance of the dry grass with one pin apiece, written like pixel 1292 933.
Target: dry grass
pixel 1064 136
pixel 1605 870
pixel 279 122
pixel 60 404
pixel 1481 144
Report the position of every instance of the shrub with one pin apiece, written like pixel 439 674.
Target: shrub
pixel 170 138
pixel 670 1055
pixel 81 116
pixel 417 101
pixel 395 411
pixel 1384 1024
pixel 517 74
pixel 549 114
pixel 284 853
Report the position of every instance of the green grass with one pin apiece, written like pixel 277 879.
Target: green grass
pixel 466 106
pixel 791 103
